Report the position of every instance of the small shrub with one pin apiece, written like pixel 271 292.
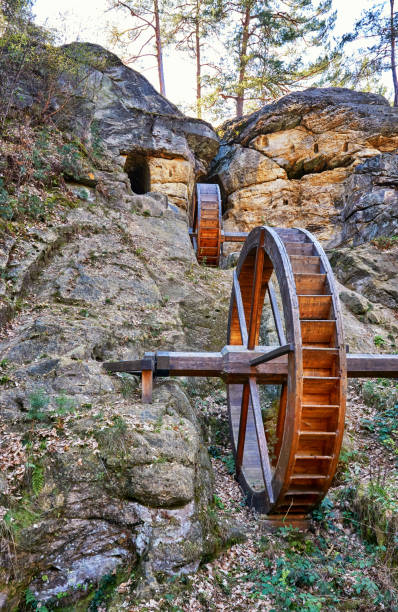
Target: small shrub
pixel 384 243
pixel 64 405
pixel 129 383
pixel 70 160
pixel 379 341
pixel 218 502
pixel 37 479
pixel 229 463
pixel 38 400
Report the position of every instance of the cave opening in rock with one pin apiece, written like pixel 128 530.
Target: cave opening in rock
pixel 137 169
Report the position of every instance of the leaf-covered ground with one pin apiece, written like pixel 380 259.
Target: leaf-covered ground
pixel 345 561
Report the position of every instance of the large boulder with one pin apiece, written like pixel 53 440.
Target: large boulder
pixel 94 483
pixel 292 162
pixel 101 100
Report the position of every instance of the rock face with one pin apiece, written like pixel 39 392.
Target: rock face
pixel 164 151
pixel 300 160
pixel 93 483
pixel 370 201
pixel 369 271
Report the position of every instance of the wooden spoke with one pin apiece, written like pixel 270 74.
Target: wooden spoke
pixel 241 311
pixel 257 282
pixel 261 439
pixel 276 314
pixel 242 427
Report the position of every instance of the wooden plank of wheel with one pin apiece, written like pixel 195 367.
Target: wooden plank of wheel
pixel 286 451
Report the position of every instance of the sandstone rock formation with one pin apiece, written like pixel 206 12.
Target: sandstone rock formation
pixel 163 150
pixel 300 160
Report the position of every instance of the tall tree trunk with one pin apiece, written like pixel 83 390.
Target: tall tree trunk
pixel 198 63
pixel 393 64
pixel 243 62
pixel 159 52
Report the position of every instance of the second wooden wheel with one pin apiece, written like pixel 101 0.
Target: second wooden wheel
pixel 286 439
pixel 207 224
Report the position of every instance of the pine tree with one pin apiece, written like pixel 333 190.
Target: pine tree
pixel 191 24
pixel 145 31
pixel 267 45
pixel 375 32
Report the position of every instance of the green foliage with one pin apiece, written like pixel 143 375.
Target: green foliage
pixel 305 576
pixel 64 405
pixel 22 516
pixel 325 513
pixel 103 593
pixel 97 147
pixel 32 603
pixel 382 395
pixel 120 425
pixel 129 383
pixel 385 426
pixel 6 203
pixel 218 502
pixel 379 341
pixel 39 401
pixel 29 168
pixel 229 463
pixel 264 51
pixel 371 507
pixel 366 51
pixel 70 160
pixel 37 479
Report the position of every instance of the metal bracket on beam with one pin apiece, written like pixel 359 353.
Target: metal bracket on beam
pixel 278 352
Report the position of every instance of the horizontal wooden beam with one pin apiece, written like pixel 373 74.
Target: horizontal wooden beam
pixel 233 236
pixel 234 365
pixel 372 366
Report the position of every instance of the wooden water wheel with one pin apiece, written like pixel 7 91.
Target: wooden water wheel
pixel 309 425
pixel 206 233
pixel 286 450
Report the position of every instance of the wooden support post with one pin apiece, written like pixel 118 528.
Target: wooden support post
pixel 148 367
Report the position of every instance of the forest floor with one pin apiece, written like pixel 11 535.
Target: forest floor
pixel 343 562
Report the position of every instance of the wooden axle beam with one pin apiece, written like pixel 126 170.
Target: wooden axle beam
pixel 233 236
pixel 235 364
pixel 225 236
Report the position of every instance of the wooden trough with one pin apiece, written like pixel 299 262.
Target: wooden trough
pixel 286 450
